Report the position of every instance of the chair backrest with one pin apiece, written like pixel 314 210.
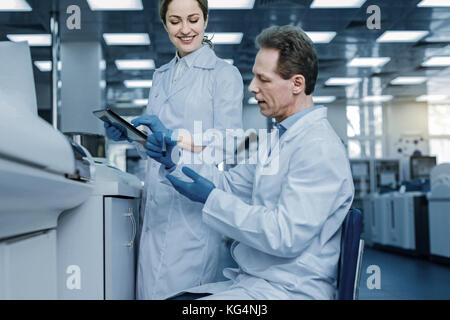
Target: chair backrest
pixel 351 256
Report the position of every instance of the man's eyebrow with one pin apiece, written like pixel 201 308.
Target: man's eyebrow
pixel 260 74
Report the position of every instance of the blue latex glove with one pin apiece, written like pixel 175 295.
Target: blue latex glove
pixel 198 190
pixel 159 144
pixel 115 132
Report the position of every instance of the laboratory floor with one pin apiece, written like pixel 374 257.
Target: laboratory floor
pixel 402 277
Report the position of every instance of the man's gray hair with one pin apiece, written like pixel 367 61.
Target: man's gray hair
pixel 297 53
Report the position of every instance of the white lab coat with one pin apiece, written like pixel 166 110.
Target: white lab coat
pixel 286 226
pixel 177 250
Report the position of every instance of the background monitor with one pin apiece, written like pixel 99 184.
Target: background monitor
pixel 421 166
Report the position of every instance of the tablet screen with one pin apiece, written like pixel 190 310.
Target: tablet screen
pixel 113 118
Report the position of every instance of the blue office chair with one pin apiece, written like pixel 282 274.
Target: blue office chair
pixel 350 260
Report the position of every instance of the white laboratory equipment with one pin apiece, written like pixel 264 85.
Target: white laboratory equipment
pixel 97 241
pixel 388 173
pixel 439 212
pixel 399 220
pixel 39 180
pixel 408 224
pixel 379 213
pixel 375 175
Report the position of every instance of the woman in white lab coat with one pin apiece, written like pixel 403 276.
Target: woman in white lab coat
pixel 177 250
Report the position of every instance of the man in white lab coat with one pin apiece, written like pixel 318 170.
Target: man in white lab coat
pixel 286 222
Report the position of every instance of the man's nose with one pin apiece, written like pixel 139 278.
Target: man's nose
pixel 252 87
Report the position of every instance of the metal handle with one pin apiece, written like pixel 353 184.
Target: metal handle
pixel 133 223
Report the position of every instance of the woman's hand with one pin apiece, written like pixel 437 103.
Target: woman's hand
pixel 115 132
pixel 159 144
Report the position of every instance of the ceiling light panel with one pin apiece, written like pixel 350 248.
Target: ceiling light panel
pixel 336 4
pixel 368 62
pixel 377 98
pixel 225 37
pixel 138 83
pixel 115 5
pixel 321 36
pixel 443 61
pixel 34 40
pixel 408 81
pixel 140 102
pixel 402 36
pixel 126 39
pixel 43 66
pixel 434 3
pixel 342 81
pixel 14 6
pixel 323 99
pixel 432 98
pixel 135 64
pixel 231 4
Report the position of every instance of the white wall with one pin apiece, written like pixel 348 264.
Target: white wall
pixel 407 121
pixel 400 120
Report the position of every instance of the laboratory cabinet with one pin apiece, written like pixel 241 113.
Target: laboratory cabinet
pixel 120 250
pixel 379 218
pixel 27 266
pixel 97 247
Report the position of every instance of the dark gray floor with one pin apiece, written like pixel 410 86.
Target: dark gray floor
pixel 404 277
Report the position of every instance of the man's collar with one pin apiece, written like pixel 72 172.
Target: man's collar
pixel 289 121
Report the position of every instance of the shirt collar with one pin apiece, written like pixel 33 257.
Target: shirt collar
pixel 289 121
pixel 190 58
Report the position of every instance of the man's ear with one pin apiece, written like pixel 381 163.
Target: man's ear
pixel 299 84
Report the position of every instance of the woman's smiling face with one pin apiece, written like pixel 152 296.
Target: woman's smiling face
pixel 185 25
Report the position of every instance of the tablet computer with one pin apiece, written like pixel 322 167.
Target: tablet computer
pixel 107 115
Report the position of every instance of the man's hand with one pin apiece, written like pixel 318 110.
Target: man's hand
pixel 198 190
pixel 159 144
